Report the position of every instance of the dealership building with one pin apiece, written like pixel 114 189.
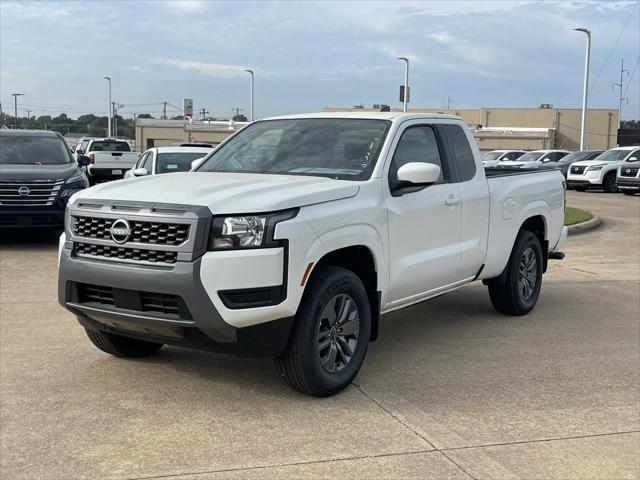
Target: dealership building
pixel 493 128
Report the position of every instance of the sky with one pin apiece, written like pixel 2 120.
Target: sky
pixel 308 55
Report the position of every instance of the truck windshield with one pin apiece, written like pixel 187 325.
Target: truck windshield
pixel 109 146
pixel 26 150
pixel 176 162
pixel 339 148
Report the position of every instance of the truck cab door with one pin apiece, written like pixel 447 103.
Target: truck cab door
pixel 424 223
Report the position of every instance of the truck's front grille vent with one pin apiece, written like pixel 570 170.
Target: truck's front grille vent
pixel 156 233
pixel 159 302
pixel 96 294
pixel 125 253
pixel 578 170
pixel 29 194
pixel 168 305
pixel 629 171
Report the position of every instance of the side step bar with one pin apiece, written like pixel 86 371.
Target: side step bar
pixel 556 255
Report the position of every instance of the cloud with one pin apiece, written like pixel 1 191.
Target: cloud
pixel 186 6
pixel 215 70
pixel 139 68
pixel 443 37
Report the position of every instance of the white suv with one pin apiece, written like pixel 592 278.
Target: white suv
pixel 601 171
pixel 166 160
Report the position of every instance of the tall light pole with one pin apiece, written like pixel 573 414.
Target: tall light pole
pixel 250 72
pixel 585 87
pixel 108 79
pixel 15 108
pixel 405 97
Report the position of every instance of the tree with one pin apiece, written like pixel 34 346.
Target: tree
pixel 630 124
pixel 145 115
pixel 239 118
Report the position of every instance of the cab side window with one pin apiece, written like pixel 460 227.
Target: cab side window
pixel 460 151
pixel 417 144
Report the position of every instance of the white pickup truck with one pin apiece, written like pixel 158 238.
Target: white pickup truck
pixel 297 233
pixel 107 158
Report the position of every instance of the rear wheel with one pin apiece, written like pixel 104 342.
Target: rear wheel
pixel 122 346
pixel 521 288
pixel 609 183
pixel 330 336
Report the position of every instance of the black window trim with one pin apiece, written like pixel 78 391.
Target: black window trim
pixel 449 174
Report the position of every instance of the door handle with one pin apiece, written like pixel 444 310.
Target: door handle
pixel 451 200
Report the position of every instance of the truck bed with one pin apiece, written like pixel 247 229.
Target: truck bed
pixel 507 171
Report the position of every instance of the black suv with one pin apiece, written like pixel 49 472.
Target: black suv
pixel 37 177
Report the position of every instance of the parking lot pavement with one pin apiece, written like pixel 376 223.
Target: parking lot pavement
pixel 451 389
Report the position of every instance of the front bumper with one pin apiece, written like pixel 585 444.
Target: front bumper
pixel 629 184
pixel 590 178
pixel 33 217
pixel 199 323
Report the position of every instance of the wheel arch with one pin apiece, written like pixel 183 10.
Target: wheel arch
pixel 360 260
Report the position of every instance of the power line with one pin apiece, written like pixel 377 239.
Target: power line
pixel 614 45
pixel 633 72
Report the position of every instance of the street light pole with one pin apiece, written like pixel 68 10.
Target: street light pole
pixel 15 108
pixel 406 83
pixel 585 88
pixel 250 72
pixel 108 79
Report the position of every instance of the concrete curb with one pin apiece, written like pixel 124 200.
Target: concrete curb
pixel 584 227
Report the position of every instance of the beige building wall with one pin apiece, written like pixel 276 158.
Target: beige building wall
pixel 601 128
pixel 160 133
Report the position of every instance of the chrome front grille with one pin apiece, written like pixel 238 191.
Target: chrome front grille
pixel 125 253
pixel 29 194
pixel 629 171
pixel 578 170
pixel 157 233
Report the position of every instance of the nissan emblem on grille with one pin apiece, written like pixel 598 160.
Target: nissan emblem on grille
pixel 24 190
pixel 120 230
pixel 628 170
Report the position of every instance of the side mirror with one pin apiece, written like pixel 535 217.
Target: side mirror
pixel 418 174
pixel 83 161
pixel 632 159
pixel 79 151
pixel 140 172
pixel 196 163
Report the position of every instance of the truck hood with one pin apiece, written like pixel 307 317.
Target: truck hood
pixel 225 192
pixel 37 173
pixel 589 163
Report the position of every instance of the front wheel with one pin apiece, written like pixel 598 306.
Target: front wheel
pixel 609 183
pixel 521 288
pixel 330 335
pixel 122 346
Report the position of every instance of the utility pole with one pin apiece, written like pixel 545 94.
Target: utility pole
pixel 28 114
pixel 237 110
pixel 204 112
pixel 1 116
pixel 621 98
pixel 449 102
pixel 15 108
pixel 250 72
pixel 108 79
pixel 585 86
pixel 405 95
pixel 164 111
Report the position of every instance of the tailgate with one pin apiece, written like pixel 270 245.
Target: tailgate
pixel 115 159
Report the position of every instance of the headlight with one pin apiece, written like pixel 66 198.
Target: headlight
pixel 73 185
pixel 67 192
pixel 595 168
pixel 247 231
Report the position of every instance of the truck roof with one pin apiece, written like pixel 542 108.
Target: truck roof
pixel 367 116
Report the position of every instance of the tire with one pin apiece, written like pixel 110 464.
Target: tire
pixel 306 365
pixel 609 183
pixel 122 346
pixel 631 194
pixel 518 296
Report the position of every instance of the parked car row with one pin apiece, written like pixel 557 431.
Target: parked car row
pixel 610 170
pixel 39 172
